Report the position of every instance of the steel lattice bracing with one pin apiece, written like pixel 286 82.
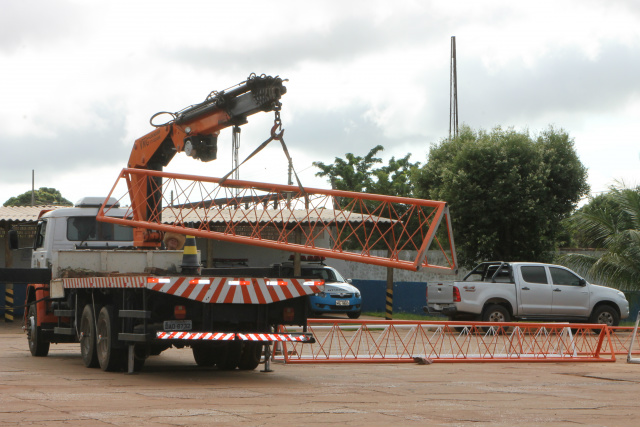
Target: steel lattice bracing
pixel 398 341
pixel 361 226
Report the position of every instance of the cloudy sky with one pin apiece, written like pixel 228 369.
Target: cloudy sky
pixel 80 80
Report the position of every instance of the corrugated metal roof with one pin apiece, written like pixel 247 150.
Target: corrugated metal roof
pixel 171 215
pixel 22 213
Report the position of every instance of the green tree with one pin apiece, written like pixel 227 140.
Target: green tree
pixel 358 174
pixel 610 223
pixel 42 196
pixel 507 192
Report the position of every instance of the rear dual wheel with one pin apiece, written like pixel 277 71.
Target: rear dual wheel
pixel 229 355
pixel 88 338
pixel 110 356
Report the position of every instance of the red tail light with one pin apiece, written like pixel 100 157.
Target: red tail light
pixel 456 294
pixel 180 312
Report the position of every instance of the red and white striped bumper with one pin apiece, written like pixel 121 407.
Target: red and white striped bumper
pixel 232 336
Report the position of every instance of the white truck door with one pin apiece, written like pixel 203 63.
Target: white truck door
pixel 535 291
pixel 39 255
pixel 569 298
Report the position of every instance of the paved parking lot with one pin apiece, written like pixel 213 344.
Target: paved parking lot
pixel 172 391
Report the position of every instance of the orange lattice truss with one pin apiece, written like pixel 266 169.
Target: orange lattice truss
pixel 388 231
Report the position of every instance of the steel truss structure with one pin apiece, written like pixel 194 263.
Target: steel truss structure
pixel 382 341
pixel 360 226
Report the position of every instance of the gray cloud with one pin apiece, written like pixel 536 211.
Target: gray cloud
pixel 27 22
pixel 563 81
pixel 67 149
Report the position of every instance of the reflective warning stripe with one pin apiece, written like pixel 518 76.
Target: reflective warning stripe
pixel 273 337
pixel 206 336
pixel 232 290
pixel 230 336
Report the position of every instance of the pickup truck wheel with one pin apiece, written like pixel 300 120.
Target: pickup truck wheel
pixel 37 345
pixel 110 357
pixel 605 315
pixel 88 338
pixel 496 313
pixel 354 314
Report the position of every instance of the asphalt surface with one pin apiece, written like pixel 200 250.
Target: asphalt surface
pixel 172 391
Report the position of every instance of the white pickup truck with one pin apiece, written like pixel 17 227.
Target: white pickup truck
pixel 505 292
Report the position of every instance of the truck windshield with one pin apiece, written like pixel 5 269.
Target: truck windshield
pixel 86 228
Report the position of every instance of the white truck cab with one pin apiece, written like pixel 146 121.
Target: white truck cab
pixel 76 228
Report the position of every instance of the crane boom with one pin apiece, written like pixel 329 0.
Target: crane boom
pixel 194 131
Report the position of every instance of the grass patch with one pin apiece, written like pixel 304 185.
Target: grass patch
pixel 405 316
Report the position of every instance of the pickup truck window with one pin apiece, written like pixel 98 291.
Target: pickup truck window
pixel 534 274
pixel 563 277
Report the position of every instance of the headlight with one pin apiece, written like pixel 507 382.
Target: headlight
pixel 322 295
pixel 357 294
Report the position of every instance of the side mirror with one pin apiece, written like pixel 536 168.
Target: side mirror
pixel 349 281
pixel 13 240
pixel 582 282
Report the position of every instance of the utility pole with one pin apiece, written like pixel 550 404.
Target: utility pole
pixel 453 92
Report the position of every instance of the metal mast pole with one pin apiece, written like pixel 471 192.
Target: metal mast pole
pixel 453 92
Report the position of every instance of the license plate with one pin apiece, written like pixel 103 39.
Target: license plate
pixel 177 325
pixel 342 302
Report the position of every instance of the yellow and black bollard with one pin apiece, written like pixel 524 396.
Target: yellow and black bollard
pixel 8 302
pixel 190 263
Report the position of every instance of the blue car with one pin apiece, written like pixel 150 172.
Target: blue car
pixel 339 295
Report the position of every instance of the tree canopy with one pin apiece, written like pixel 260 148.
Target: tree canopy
pixel 42 196
pixel 610 223
pixel 507 191
pixel 357 173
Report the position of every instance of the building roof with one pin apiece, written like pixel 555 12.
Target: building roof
pixel 22 213
pixel 252 216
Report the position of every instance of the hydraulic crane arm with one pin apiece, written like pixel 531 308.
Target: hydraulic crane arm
pixel 194 131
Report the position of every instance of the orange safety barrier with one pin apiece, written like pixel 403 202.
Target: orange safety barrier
pixel 290 218
pixel 621 338
pixel 380 341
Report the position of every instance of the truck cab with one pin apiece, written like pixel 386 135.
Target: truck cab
pixel 76 228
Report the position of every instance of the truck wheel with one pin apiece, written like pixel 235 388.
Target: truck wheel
pixel 496 313
pixel 606 315
pixel 110 358
pixel 37 345
pixel 229 356
pixel 205 356
pixel 250 357
pixel 88 338
pixel 354 314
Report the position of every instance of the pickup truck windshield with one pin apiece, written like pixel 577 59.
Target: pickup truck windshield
pixel 86 228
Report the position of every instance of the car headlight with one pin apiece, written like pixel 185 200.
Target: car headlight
pixel 357 294
pixel 321 295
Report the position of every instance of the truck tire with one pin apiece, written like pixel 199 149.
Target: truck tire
pixel 605 314
pixel 88 338
pixel 250 357
pixel 110 357
pixel 37 345
pixel 229 356
pixel 496 313
pixel 354 314
pixel 205 356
